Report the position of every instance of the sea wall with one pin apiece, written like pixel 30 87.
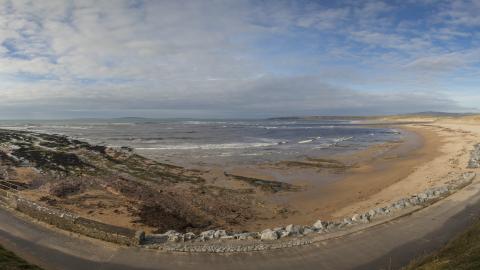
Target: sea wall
pixel 70 222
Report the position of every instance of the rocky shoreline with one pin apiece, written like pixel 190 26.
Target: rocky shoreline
pixel 219 241
pixel 118 186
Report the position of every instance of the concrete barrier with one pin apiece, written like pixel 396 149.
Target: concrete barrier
pixel 70 222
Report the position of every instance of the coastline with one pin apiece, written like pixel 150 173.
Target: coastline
pixel 377 176
pixel 345 193
pixel 220 240
pixel 453 142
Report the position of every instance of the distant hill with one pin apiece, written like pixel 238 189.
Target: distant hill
pixel 439 114
pixel 324 117
pixel 332 117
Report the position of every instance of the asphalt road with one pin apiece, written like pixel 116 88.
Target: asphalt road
pixel 387 246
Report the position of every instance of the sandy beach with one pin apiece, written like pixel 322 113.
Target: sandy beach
pixel 444 155
pixel 433 152
pixel 252 198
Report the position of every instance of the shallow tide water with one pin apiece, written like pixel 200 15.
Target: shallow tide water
pixel 190 142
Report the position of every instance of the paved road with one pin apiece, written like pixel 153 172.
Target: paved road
pixel 387 246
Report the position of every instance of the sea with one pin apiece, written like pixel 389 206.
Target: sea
pixel 219 142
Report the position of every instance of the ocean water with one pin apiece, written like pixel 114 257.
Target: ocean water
pixel 219 142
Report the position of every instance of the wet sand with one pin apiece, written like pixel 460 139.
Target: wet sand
pixel 375 169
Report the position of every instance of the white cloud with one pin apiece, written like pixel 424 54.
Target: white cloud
pixel 207 55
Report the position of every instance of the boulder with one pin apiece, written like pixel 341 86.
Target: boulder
pixel 189 236
pixel 219 233
pixel 356 218
pixel 294 229
pixel 414 200
pixel 347 221
pixel 244 236
pixel 365 218
pixel 332 226
pixel 269 234
pixel 283 233
pixel 468 176
pixel 422 196
pixel 207 235
pixel 430 193
pixel 400 204
pixel 474 161
pixel 174 236
pixel 308 230
pixel 319 225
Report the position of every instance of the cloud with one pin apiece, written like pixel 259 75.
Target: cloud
pixel 461 13
pixel 224 57
pixel 260 97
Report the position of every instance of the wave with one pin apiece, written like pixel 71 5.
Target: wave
pixel 209 146
pixel 310 140
pixel 342 139
pixel 122 124
pixel 324 146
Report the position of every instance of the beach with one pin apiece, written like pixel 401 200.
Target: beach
pixel 252 197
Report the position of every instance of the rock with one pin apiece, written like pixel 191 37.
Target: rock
pixel 319 225
pixel 219 233
pixel 372 213
pixel 207 235
pixel 307 231
pixel 283 233
pixel 474 161
pixel 347 221
pixel 174 236
pixel 356 218
pixel 400 204
pixel 294 229
pixel 365 218
pixel 422 196
pixel 269 234
pixel 414 200
pixel 332 226
pixel 245 236
pixel 468 176
pixel 189 236
pixel 430 193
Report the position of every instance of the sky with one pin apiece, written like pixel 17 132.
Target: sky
pixel 237 59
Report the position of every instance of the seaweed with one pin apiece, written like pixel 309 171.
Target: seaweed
pixel 265 185
pixel 51 160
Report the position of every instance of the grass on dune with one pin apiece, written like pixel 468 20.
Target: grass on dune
pixel 461 253
pixel 10 261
